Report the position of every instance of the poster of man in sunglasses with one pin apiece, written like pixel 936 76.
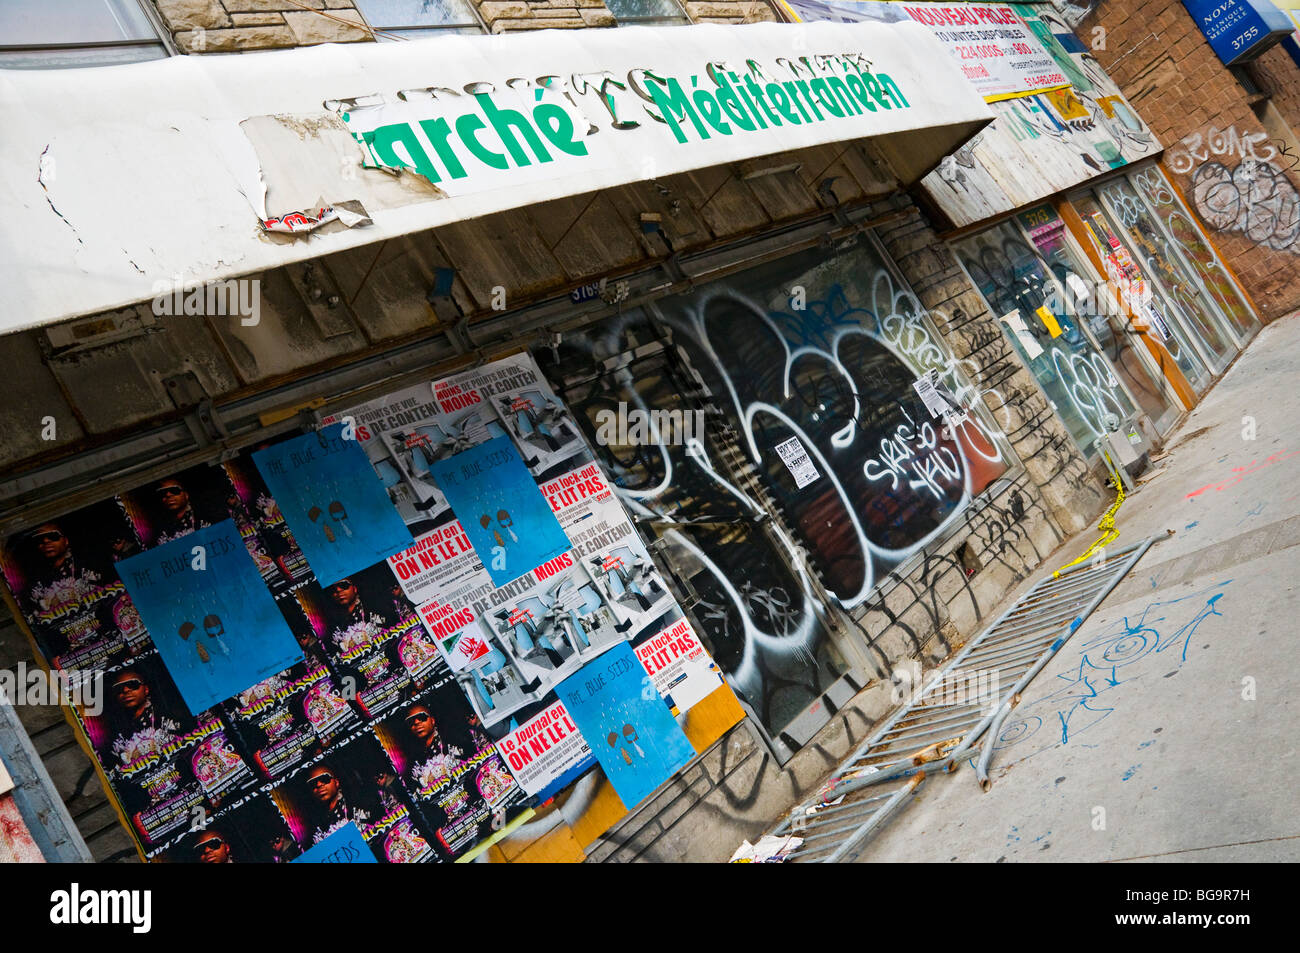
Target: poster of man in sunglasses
pixel 176 506
pixel 450 767
pixel 249 832
pixel 263 528
pixel 162 763
pixel 369 633
pixel 355 783
pixel 63 575
pixel 290 718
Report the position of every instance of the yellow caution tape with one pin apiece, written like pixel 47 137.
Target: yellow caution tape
pixel 1107 525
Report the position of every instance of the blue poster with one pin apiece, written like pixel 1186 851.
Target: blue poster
pixel 335 505
pixel 496 499
pixel 344 846
pixel 206 608
pixel 630 730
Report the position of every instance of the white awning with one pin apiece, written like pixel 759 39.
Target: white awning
pixel 119 179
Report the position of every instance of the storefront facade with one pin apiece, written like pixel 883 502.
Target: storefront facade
pixel 734 347
pixel 1106 286
pixel 1226 106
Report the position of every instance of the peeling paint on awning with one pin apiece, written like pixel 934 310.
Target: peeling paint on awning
pixel 194 166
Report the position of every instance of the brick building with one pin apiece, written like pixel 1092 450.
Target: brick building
pixel 1229 135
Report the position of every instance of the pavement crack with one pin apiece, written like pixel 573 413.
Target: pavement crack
pixel 1189 850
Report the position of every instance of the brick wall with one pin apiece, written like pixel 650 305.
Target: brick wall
pixel 1217 151
pixel 1278 75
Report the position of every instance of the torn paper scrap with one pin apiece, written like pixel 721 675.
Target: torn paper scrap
pixel 351 213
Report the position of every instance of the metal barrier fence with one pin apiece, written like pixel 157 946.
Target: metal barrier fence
pixel 940 725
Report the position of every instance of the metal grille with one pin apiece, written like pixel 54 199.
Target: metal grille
pixel 963 702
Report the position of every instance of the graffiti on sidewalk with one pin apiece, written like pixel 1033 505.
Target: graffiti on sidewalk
pixel 1242 472
pixel 1124 651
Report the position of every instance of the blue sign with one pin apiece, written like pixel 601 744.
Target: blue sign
pixel 508 521
pixel 344 846
pixel 207 610
pixel 339 512
pixel 1239 30
pixel 627 724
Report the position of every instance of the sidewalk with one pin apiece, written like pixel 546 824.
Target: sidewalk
pixel 1163 730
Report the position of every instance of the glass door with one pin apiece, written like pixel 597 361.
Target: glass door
pixel 1086 300
pixel 1177 282
pixel 1030 306
pixel 1196 250
pixel 1127 273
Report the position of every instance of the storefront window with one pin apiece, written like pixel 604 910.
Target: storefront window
pixel 1139 294
pixel 804 369
pixel 1166 267
pixel 1030 307
pixel 1160 197
pixel 1094 312
pixel 415 19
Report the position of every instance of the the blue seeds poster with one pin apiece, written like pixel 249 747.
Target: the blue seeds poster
pixel 338 510
pixel 344 846
pixel 627 724
pixel 206 608
pixel 508 521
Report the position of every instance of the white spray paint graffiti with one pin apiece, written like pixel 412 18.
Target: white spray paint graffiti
pixel 873 446
pixel 1254 198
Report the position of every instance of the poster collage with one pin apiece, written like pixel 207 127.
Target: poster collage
pixel 380 641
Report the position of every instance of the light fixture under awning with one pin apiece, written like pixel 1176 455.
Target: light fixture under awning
pixel 189 170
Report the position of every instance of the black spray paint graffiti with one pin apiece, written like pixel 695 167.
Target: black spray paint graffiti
pixel 1254 197
pixel 759 616
pixel 759 554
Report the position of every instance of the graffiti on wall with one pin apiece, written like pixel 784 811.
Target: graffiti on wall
pixel 1078 378
pixel 1239 184
pixel 790 357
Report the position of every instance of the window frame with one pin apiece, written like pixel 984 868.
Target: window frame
pixel 653 19
pixel 378 33
pixel 162 36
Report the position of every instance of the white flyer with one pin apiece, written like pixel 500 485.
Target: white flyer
pixel 797 461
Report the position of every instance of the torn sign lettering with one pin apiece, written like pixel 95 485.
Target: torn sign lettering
pixel 351 213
